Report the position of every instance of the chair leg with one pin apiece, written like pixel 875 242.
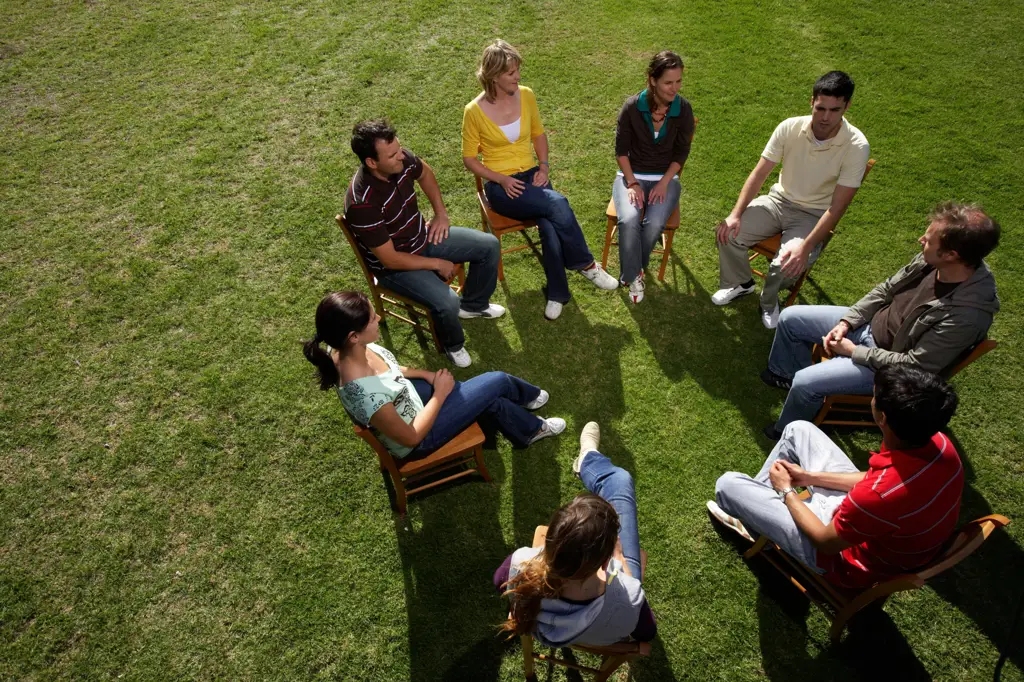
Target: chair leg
pixel 796 289
pixel 527 644
pixel 756 548
pixel 608 666
pixel 608 233
pixel 478 455
pixel 400 495
pixel 826 407
pixel 433 333
pixel 501 261
pixel 666 253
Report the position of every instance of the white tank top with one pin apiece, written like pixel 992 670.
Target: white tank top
pixel 511 130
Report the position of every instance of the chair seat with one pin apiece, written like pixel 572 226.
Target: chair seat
pixel 671 224
pixel 466 440
pixel 500 223
pixel 768 248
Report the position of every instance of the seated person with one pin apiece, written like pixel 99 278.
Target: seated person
pixel 411 411
pixel 926 315
pixel 408 254
pixel 652 141
pixel 500 124
pixel 823 160
pixel 583 586
pixel 858 527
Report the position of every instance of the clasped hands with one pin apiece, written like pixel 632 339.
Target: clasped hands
pixel 835 342
pixel 784 474
pixel 514 186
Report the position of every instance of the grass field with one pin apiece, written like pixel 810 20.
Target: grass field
pixel 178 501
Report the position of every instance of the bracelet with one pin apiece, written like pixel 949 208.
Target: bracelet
pixel 635 183
pixel 545 163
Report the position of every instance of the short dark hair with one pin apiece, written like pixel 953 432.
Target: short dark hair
pixel 966 229
pixel 834 84
pixel 365 136
pixel 916 404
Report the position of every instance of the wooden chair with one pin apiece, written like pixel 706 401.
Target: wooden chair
pixel 847 409
pixel 613 656
pixel 382 297
pixel 460 452
pixel 840 604
pixel 769 248
pixel 666 236
pixel 499 226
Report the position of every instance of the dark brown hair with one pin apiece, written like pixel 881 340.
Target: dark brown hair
pixel 659 64
pixel 966 229
pixel 581 538
pixel 339 314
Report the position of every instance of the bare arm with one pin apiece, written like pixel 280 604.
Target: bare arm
pixel 794 262
pixel 540 148
pixel 437 228
pixel 387 421
pixel 730 227
pixel 824 538
pixel 399 260
pixel 784 474
pixel 833 480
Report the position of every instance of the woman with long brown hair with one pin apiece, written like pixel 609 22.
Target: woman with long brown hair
pixel 584 584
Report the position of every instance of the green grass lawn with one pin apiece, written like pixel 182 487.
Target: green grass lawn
pixel 178 501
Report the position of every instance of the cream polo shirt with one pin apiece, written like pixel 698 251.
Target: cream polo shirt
pixel 811 171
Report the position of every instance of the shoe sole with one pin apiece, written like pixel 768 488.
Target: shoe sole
pixel 733 298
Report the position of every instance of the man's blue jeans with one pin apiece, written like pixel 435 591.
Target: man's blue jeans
pixel 496 393
pixel 462 245
pixel 614 485
pixel 562 243
pixel 800 327
pixel 637 238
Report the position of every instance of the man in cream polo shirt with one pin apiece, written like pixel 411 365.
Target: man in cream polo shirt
pixel 823 160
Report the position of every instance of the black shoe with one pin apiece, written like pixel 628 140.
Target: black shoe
pixel 771 433
pixel 775 381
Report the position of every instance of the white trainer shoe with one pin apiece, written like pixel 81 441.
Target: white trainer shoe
pixel 590 439
pixel 770 320
pixel 552 310
pixel 551 427
pixel 538 402
pixel 459 358
pixel 724 296
pixel 493 310
pixel 636 288
pixel 600 278
pixel 730 522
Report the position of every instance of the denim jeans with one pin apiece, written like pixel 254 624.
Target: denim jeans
pixel 462 245
pixel 638 237
pixel 562 243
pixel 614 485
pixel 495 393
pixel 800 327
pixel 755 502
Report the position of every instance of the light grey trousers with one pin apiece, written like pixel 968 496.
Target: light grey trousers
pixel 755 502
pixel 765 216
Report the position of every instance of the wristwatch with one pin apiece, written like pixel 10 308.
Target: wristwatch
pixel 786 491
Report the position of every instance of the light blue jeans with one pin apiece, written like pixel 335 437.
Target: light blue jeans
pixel 614 485
pixel 800 327
pixel 755 502
pixel 638 237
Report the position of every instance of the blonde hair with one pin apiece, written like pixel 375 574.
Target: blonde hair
pixel 498 57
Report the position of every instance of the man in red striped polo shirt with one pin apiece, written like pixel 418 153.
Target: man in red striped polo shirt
pixel 858 527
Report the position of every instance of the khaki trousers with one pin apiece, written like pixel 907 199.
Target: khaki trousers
pixel 766 216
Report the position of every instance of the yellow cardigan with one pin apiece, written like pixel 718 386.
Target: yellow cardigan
pixel 481 135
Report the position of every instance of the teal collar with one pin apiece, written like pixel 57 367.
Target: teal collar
pixel 674 110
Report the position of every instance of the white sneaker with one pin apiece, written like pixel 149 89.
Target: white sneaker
pixel 770 320
pixel 492 310
pixel 590 439
pixel 600 278
pixel 730 522
pixel 551 427
pixel 459 358
pixel 538 402
pixel 636 288
pixel 723 296
pixel 552 310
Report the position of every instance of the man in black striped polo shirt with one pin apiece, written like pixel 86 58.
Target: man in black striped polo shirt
pixel 408 254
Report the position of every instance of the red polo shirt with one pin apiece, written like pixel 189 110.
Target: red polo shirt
pixel 899 516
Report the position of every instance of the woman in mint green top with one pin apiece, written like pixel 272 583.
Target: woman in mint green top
pixel 413 411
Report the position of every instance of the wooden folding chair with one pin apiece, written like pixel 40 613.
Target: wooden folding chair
pixel 382 297
pixel 847 409
pixel 840 604
pixel 613 656
pixel 666 236
pixel 461 452
pixel 769 248
pixel 500 225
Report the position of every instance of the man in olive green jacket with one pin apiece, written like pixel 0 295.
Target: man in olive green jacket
pixel 927 315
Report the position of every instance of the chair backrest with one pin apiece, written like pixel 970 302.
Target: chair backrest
pixel 970 355
pixel 370 281
pixel 867 169
pixel 968 539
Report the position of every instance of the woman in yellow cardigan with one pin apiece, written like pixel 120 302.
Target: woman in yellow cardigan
pixel 500 125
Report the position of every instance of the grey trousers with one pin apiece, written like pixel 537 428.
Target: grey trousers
pixel 755 502
pixel 766 216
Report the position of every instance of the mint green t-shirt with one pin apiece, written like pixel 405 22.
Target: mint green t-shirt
pixel 363 397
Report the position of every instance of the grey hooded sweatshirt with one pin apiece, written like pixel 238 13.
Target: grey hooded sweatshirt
pixel 608 619
pixel 934 335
